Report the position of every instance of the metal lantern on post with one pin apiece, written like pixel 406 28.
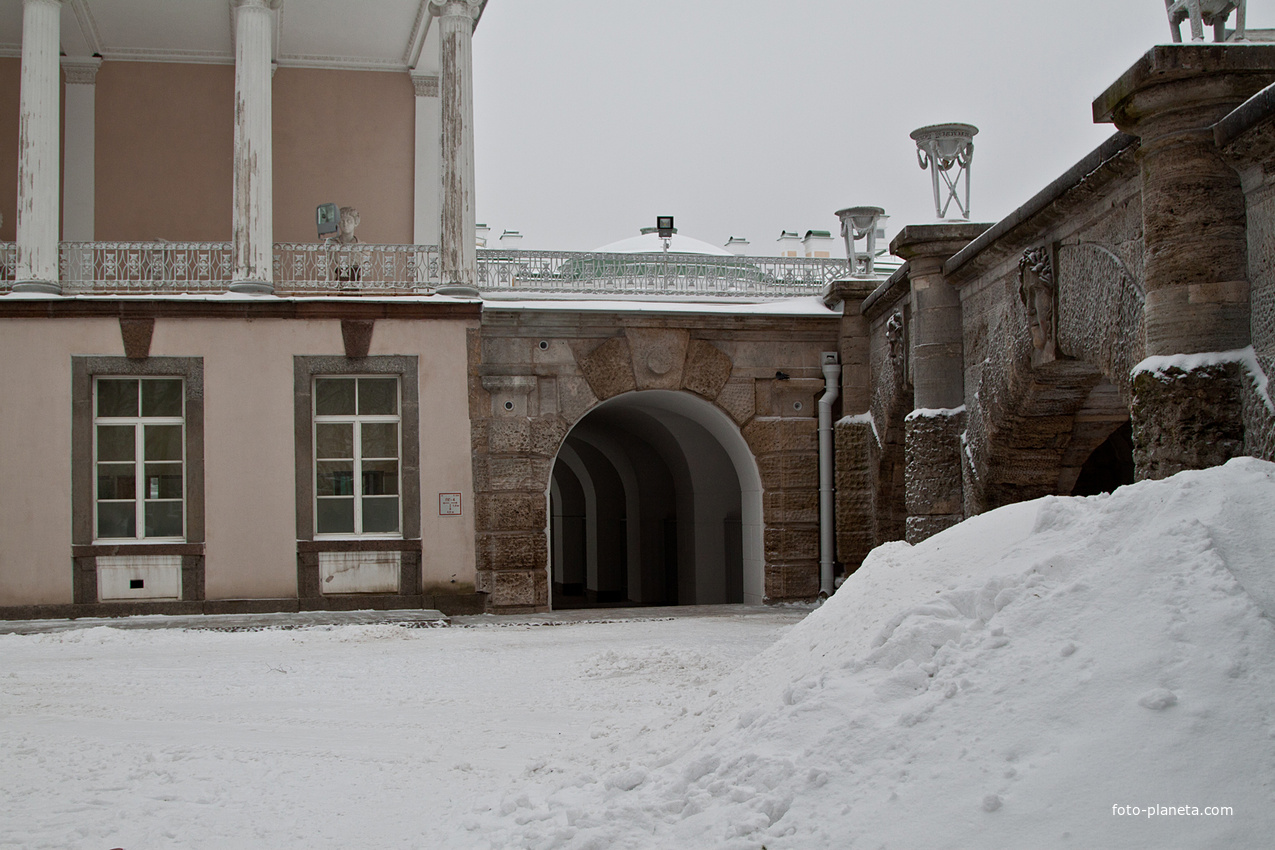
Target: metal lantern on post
pixel 942 148
pixel 861 223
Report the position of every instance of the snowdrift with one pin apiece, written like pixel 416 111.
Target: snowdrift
pixel 1039 676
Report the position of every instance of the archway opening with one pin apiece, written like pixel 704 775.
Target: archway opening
pixel 1099 457
pixel 1110 466
pixel 655 499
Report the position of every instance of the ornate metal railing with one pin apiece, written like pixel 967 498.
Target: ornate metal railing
pixel 144 267
pixel 310 267
pixel 662 275
pixel 8 264
pixel 316 269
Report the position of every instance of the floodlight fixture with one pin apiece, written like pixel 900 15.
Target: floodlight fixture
pixel 861 223
pixel 664 224
pixel 940 148
pixel 328 219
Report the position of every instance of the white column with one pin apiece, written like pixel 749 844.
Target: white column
pixel 459 260
pixel 37 220
pixel 78 159
pixel 428 171
pixel 252 236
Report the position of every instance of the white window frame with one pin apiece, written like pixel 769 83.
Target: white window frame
pixel 358 420
pixel 138 424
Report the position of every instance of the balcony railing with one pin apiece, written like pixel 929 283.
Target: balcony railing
pixel 151 268
pixel 8 264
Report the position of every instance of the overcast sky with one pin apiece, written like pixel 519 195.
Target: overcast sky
pixel 748 117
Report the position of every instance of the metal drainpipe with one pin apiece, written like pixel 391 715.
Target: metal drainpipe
pixel 827 549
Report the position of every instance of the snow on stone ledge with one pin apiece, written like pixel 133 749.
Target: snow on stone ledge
pixel 1246 357
pixel 862 419
pixel 934 412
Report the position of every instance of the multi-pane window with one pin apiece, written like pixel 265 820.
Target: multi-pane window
pixel 139 457
pixel 356 456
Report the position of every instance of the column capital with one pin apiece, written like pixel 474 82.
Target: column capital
pixel 456 8
pixel 80 71
pixel 1176 88
pixel 267 5
pixel 57 3
pixel 425 85
pixel 934 242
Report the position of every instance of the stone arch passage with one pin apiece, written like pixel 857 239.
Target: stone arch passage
pixel 1037 422
pixel 659 491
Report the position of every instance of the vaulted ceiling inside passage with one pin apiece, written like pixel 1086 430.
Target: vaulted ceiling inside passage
pixel 385 35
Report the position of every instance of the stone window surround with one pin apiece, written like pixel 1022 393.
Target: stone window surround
pixel 84 369
pixel 406 369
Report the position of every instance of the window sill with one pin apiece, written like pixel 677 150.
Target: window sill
pixel 358 544
pixel 158 548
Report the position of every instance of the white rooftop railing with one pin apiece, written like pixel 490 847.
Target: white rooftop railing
pixel 152 268
pixel 547 273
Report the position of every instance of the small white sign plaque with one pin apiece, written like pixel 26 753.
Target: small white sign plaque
pixel 449 504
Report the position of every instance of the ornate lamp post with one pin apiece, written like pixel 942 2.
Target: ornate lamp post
pixel 861 223
pixel 942 148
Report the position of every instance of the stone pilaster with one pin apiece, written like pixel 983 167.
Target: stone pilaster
pixel 856 456
pixel 252 234
pixel 38 154
pixel 428 174
pixel 856 451
pixel 935 494
pixel 1194 231
pixel 457 249
pixel 78 163
pixel 932 448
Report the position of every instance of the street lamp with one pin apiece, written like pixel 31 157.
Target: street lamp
pixel 861 223
pixel 942 148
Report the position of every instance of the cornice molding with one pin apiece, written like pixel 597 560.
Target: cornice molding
pixel 80 71
pixel 426 85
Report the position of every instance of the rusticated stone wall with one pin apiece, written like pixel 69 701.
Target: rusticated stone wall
pixel 1186 418
pixel 1034 418
pixel 934 487
pixel 534 374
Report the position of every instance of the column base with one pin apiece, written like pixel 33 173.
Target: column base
pixel 45 287
pixel 252 287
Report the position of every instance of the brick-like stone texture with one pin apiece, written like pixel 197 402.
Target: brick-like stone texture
pixel 791 506
pixel 509 512
pixel 609 368
pixel 791 542
pixel 136 335
pixel 934 487
pixel 708 370
pixel 575 397
pixel 547 434
pixel 769 434
pixel 738 398
pixel 789 471
pixel 1187 419
pixel 659 355
pixel 513 591
pixel 923 527
pixel 526 550
pixel 855 448
pixel 792 582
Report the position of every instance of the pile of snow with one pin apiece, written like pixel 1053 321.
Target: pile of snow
pixel 1039 676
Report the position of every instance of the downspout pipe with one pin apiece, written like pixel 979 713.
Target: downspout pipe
pixel 827 540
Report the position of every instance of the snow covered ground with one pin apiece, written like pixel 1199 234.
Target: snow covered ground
pixel 1027 679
